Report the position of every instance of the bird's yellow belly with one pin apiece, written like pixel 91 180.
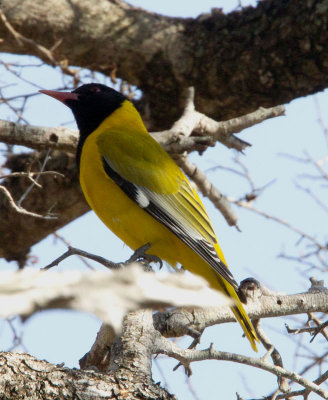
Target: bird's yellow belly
pixel 131 223
pixel 119 213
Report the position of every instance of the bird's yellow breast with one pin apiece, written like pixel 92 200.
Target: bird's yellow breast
pixel 117 211
pixel 127 220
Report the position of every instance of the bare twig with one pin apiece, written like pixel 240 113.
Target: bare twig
pixel 31 174
pixel 139 255
pixel 187 356
pixel 43 51
pixel 196 123
pixel 34 181
pixel 320 328
pixel 273 352
pixel 74 251
pixel 19 209
pixel 313 196
pixel 296 331
pixel 320 119
pixel 205 131
pixel 305 392
pixel 249 206
pixel 68 244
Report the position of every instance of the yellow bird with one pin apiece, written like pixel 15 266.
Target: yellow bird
pixel 139 192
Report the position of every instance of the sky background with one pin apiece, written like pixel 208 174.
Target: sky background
pixel 252 252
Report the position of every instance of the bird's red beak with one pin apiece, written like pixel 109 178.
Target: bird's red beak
pixel 61 96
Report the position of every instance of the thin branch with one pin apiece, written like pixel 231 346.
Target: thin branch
pixel 57 236
pixel 207 189
pixel 187 356
pixel 305 392
pixel 34 181
pixel 273 352
pixel 206 132
pixel 313 196
pixel 39 49
pixel 320 119
pixel 22 210
pixel 74 251
pixel 196 123
pixel 223 131
pixel 249 206
pixel 321 326
pixel 296 331
pixel 31 174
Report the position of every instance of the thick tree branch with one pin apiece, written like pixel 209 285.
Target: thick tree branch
pixel 261 303
pixel 109 296
pixel 37 137
pixel 174 323
pixel 176 140
pixel 278 49
pixel 23 376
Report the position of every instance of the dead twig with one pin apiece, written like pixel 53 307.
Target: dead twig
pixel 20 209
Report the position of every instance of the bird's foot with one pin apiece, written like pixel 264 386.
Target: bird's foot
pixel 140 255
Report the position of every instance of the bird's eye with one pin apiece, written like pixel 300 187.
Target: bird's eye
pixel 95 89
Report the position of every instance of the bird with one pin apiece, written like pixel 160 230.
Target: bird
pixel 140 193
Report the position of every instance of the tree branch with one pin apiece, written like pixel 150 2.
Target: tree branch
pixel 173 323
pixel 38 138
pixel 208 189
pixel 178 138
pixel 23 376
pixel 60 195
pixel 291 39
pixel 187 356
pixel 109 296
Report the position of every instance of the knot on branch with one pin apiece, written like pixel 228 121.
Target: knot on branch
pixel 317 286
pixel 249 289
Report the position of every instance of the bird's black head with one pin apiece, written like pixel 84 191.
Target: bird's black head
pixel 90 104
pixel 94 102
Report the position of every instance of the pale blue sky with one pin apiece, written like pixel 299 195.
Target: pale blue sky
pixel 253 252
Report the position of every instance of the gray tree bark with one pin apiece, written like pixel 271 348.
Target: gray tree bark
pixel 261 56
pixel 25 377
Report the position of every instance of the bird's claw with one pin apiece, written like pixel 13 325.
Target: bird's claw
pixel 141 255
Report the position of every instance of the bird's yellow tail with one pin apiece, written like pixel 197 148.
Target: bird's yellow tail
pixel 240 314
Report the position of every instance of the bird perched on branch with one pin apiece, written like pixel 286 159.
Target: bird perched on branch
pixel 139 192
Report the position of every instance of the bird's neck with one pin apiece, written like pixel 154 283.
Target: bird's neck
pixel 126 117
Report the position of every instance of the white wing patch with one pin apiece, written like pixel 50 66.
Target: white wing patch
pixel 167 210
pixel 142 199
